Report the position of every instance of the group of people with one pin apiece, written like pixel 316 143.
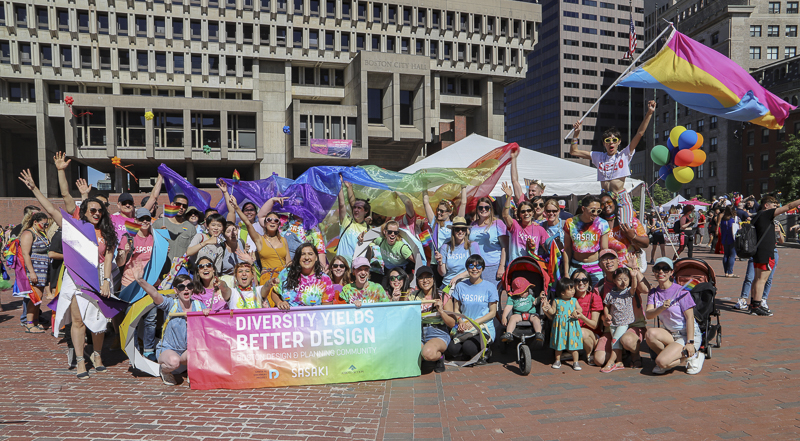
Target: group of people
pixel 254 257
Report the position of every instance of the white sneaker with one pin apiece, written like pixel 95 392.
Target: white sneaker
pixel 590 360
pixel 741 304
pixel 764 305
pixel 695 364
pixel 658 370
pixel 168 379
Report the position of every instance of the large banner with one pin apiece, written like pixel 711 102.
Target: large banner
pixel 339 148
pixel 254 348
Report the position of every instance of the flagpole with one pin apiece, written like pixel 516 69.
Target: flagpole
pixel 630 5
pixel 621 76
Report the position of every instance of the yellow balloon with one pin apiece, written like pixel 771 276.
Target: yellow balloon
pixel 675 133
pixel 684 175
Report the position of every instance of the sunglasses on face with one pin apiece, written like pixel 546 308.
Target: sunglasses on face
pixel 538 205
pixel 551 211
pixel 181 205
pixel 440 211
pixel 144 219
pixel 395 278
pixel 338 266
pixel 95 210
pixel 459 230
pixel 126 203
pixel 525 211
pixel 595 211
pixel 611 140
pixel 608 203
pixel 661 269
pixel 205 265
pixel 272 220
pixel 484 208
pixel 475 266
pixel 182 286
pixel 392 232
pixel 583 280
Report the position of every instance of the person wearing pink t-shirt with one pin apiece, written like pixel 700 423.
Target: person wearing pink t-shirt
pixel 525 235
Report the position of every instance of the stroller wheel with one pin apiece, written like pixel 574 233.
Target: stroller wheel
pixel 719 337
pixel 524 359
pixel 708 351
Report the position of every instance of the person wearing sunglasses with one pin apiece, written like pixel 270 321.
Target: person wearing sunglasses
pixel 216 293
pixel 436 318
pixel 362 290
pixel 396 253
pixel 453 254
pixel 72 306
pixel 553 223
pixel 477 299
pixel 489 234
pixel 397 285
pixel 626 239
pixel 524 235
pixel 293 231
pixel 678 342
pixel 584 236
pixel 302 283
pixel 172 350
pixel 246 292
pixel 340 274
pixel 613 165
pixel 181 231
pixel 439 222
pixel 535 186
pixel 351 227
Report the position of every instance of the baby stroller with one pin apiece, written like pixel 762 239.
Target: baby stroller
pixel 534 273
pixel 704 295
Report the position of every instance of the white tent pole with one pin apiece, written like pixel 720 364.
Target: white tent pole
pixel 621 76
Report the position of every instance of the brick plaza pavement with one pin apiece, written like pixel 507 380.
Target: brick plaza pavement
pixel 749 389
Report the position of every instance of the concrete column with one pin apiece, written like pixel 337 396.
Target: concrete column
pixel 395 104
pixel 45 143
pixel 120 183
pixel 223 138
pixel 149 135
pixel 187 134
pixel 111 138
pixel 190 175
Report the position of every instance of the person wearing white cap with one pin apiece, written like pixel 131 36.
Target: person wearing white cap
pixel 678 342
pixel 361 290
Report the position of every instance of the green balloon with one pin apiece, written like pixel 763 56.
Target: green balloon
pixel 672 184
pixel 660 155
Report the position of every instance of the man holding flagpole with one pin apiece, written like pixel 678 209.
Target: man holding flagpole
pixel 613 165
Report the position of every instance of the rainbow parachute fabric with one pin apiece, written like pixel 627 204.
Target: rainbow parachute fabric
pixel 703 79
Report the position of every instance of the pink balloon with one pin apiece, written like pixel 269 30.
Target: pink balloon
pixel 684 157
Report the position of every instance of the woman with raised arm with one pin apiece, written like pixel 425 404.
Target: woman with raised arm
pixel 34 244
pixel 584 236
pixel 303 283
pixel 72 307
pixel 524 235
pixel 489 234
pixel 291 228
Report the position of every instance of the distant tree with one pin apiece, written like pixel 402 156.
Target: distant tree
pixel 659 194
pixel 787 178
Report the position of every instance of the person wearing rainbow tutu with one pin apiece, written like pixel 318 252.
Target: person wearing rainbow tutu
pixel 613 165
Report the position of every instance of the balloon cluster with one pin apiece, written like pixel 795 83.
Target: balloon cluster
pixel 148 116
pixel 206 149
pixel 287 130
pixel 677 158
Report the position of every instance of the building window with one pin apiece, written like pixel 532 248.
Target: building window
pixel 715 38
pixel 197 64
pixel 241 131
pixel 161 62
pixel 86 57
pixel 160 27
pixel 213 31
pixel 361 42
pixel 41 18
pixel 435 49
pixel 772 53
pixel 141 61
pixel 755 52
pixel 700 124
pixel 700 172
pixel 346 10
pixel 21 15
pixel 298 7
pixel 789 51
pixel 196 30
pixel 774 7
pixel 755 30
pixel 177 29
pixel 230 32
pixel 313 40
pixel 764 136
pixel 141 26
pixel 130 129
pixel 376 43
pixel 303 130
pixel 177 63
pixel 66 56
pixel 102 23
pixel 124 59
pixel 45 54
pixel 773 31
pixel 345 41
pixel 750 166
pixel 712 168
pixel 297 38
pixel 122 23
pixel 791 7
pixel 713 122
pixel 168 129
pixel 25 54
pixel 406 107
pixel 91 129
pixel 751 138
pixel 375 106
pixel 205 130
pixel 712 144
pixel 280 38
pixel 377 9
pixel 362 11
pixel 105 59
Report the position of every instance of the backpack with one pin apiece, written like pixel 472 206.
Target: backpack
pixel 746 241
pixel 676 227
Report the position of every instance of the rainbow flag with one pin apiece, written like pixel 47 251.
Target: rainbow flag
pixel 236 177
pixel 691 284
pixel 703 79
pixel 425 238
pixel 132 227
pixel 171 210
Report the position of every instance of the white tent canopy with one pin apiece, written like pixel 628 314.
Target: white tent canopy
pixel 678 200
pixel 562 177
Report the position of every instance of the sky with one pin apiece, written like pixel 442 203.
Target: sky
pixel 95 176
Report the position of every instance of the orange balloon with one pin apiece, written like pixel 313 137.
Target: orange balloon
pixel 684 158
pixel 699 158
pixel 698 144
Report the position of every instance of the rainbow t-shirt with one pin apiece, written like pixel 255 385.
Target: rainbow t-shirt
pixel 619 243
pixel 518 239
pixel 311 291
pixel 586 237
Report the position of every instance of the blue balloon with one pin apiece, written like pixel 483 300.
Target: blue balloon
pixel 664 171
pixel 287 130
pixel 687 139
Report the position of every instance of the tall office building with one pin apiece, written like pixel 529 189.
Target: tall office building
pixel 752 33
pixel 223 77
pixel 580 53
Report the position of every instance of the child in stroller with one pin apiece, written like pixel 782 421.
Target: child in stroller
pixel 521 306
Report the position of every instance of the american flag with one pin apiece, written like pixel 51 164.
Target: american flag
pixel 631 41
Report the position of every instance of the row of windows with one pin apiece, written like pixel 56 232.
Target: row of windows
pixel 130 59
pixel 605 5
pixel 328 127
pixel 130 129
pixel 601 32
pixel 774 30
pixel 772 52
pixel 384 14
pixel 775 7
pixel 26 92
pixel 593 59
pixel 603 18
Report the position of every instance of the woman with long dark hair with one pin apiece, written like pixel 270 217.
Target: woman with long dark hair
pixel 34 244
pixel 72 307
pixel 436 320
pixel 397 284
pixel 728 225
pixel 489 234
pixel 303 283
pixel 584 236
pixel 216 292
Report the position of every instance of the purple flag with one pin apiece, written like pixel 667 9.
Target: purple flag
pixel 176 184
pixel 81 258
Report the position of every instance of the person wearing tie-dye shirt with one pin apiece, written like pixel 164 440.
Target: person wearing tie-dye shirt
pixel 362 290
pixel 524 235
pixel 584 236
pixel 303 283
pixel 626 240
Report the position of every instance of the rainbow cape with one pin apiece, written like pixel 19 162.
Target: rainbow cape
pixel 170 210
pixel 703 79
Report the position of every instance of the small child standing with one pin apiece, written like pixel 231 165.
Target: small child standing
pixel 619 307
pixel 566 333
pixel 521 306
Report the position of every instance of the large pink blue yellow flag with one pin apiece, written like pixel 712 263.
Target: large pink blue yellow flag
pixel 703 79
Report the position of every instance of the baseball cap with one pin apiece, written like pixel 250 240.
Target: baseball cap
pixel 665 260
pixel 606 252
pixel 358 262
pixel 562 203
pixel 424 270
pixel 142 212
pixel 125 197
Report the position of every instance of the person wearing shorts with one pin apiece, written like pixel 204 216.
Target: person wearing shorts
pixel 436 318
